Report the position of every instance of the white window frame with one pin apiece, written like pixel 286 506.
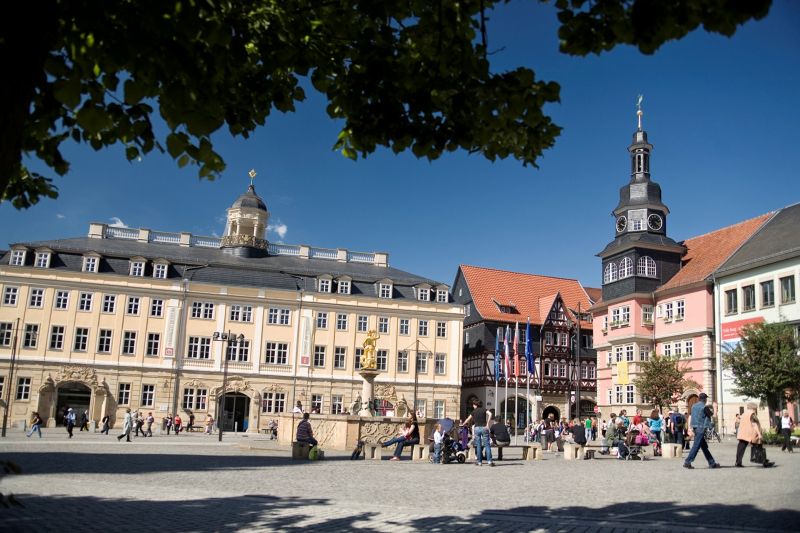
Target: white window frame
pixel 438 409
pixel 160 270
pixel 630 394
pixel 276 353
pixel 341 321
pixel 10 296
pixel 440 364
pixel 136 269
pixel 6 332
pixel 382 359
pixel 402 361
pixel 680 310
pixel 42 260
pixel 109 303
pixel 337 404
pixel 385 291
pixel 36 298
pixel 383 324
pixel 61 301
pixel 85 301
pixel 128 346
pixel 343 286
pixel 441 296
pixel 324 285
pixel 362 323
pixel 441 329
pixel 157 307
pixel 322 320
pixel 405 325
pixel 105 338
pixel 625 268
pixel 339 357
pixel 81 339
pixel 198 347
pixel 153 344
pixel 23 388
pixel 422 328
pixel 90 264
pixel 423 294
pixel 124 394
pixel 274 402
pixel 610 272
pixel 647 315
pixel 57 337
pixel 133 305
pixel 688 348
pixel 241 313
pixel 788 292
pixel 17 258
pixel 148 395
pixel 646 267
pixel 319 356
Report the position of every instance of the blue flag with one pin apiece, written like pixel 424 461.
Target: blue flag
pixel 529 348
pixel 497 355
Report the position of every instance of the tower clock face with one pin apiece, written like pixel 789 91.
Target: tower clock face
pixel 622 222
pixel 654 222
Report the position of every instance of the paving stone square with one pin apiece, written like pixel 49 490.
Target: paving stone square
pixel 246 483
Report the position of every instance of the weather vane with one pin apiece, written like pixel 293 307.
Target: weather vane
pixel 639 111
pixel 252 175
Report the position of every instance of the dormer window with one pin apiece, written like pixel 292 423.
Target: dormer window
pixel 424 295
pixel 90 264
pixel 343 286
pixel 42 260
pixel 385 290
pixel 441 296
pixel 17 258
pixel 324 285
pixel 137 268
pixel 160 270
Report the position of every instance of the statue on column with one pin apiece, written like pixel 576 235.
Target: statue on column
pixel 368 361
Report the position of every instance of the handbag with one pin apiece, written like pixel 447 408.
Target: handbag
pixel 758 454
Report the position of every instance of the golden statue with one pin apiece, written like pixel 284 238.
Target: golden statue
pixel 368 357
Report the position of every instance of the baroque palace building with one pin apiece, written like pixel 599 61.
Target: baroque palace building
pixel 156 321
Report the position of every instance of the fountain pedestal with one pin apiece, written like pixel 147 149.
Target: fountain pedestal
pixel 367 391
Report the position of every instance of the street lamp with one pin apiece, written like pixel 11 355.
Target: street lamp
pixel 10 376
pixel 230 340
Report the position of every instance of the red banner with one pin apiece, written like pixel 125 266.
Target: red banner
pixel 732 330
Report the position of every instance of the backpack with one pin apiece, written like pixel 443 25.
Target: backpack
pixel 313 453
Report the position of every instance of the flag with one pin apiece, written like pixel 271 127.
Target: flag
pixel 529 348
pixel 507 369
pixel 497 354
pixel 516 350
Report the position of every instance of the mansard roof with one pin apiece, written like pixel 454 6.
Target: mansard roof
pixel 273 271
pixel 532 295
pixel 778 239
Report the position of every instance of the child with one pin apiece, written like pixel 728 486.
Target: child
pixel 438 437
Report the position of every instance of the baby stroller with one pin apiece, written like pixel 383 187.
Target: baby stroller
pixel 631 446
pixel 452 449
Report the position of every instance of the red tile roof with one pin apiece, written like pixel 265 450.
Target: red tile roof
pixel 531 294
pixel 594 293
pixel 706 253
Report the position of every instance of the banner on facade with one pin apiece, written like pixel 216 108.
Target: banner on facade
pixel 622 373
pixel 170 334
pixel 305 341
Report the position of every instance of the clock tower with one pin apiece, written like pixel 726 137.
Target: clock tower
pixel 641 257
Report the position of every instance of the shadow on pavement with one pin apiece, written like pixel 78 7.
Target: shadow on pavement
pixel 267 513
pixel 620 516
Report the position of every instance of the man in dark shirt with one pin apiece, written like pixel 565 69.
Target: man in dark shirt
pixel 304 432
pixel 500 438
pixel 482 419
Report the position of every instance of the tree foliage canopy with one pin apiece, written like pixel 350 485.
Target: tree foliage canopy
pixel 403 74
pixel 662 380
pixel 765 364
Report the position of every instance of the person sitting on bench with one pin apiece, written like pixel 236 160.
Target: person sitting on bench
pixel 304 432
pixel 500 438
pixel 579 434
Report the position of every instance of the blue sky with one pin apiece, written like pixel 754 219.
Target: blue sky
pixel 722 113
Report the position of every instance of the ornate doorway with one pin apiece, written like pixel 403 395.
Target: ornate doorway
pixel 236 412
pixel 75 395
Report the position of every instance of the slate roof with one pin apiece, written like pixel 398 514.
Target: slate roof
pixel 706 253
pixel 532 294
pixel 637 238
pixel 225 269
pixel 776 240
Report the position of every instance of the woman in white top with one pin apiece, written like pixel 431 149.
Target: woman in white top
pixel 787 424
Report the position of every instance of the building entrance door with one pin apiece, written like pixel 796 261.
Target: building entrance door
pixel 74 395
pixel 235 412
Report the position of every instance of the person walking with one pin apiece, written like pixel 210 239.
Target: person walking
pixel 167 422
pixel 85 421
pixel 749 433
pixel 700 419
pixel 106 426
pixel 655 422
pixel 36 425
pixel 149 421
pixel 481 419
pixel 787 425
pixel 138 421
pixel 127 425
pixel 177 423
pixel 70 421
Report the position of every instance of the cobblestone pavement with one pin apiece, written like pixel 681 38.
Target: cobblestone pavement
pixel 193 483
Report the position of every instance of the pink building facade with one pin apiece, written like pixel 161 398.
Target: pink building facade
pixel 658 294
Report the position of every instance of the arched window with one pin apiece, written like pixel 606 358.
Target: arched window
pixel 646 267
pixel 626 268
pixel 610 273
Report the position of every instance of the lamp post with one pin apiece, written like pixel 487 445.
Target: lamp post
pixel 228 339
pixel 10 376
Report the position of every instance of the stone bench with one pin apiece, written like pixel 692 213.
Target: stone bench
pixel 373 452
pixel 672 451
pixel 530 452
pixel 420 453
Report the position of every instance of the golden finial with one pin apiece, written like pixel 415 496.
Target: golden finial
pixel 252 175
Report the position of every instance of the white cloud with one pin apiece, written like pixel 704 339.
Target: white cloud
pixel 60 216
pixel 278 229
pixel 116 222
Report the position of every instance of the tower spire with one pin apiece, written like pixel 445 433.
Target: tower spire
pixel 639 111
